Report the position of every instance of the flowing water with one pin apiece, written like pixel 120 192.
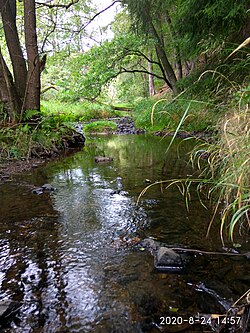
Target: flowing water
pixel 69 257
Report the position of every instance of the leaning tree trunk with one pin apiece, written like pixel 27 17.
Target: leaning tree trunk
pixel 163 58
pixel 8 93
pixel 8 13
pixel 33 85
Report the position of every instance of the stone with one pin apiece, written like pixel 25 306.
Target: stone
pixel 4 305
pixel 150 245
pixel 44 188
pixel 168 260
pixel 37 191
pixel 103 159
pixel 8 310
pixel 48 187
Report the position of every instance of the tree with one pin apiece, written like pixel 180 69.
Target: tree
pixel 146 17
pixel 22 90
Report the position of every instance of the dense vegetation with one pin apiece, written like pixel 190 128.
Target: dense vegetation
pixel 180 64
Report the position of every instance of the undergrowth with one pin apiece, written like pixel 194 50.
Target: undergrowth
pixel 167 115
pixel 23 141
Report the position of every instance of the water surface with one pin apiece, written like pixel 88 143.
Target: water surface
pixel 65 256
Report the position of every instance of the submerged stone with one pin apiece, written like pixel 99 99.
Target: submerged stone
pixel 103 159
pixel 44 188
pixel 8 310
pixel 168 260
pixel 48 187
pixel 37 191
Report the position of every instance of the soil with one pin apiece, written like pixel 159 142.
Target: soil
pixel 12 166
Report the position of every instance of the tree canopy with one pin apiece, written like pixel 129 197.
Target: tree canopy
pixel 157 41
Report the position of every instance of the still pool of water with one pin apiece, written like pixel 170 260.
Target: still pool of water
pixel 64 255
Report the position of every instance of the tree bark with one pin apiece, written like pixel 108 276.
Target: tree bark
pixel 8 93
pixel 151 85
pixel 8 13
pixel 163 58
pixel 33 89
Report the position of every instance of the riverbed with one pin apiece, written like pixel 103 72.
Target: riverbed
pixel 73 258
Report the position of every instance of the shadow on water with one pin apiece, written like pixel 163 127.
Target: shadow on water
pixel 64 255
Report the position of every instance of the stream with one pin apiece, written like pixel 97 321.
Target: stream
pixel 73 258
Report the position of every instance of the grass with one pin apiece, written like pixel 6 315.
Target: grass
pixel 80 111
pixel 166 115
pixel 229 167
pixel 24 141
pixel 100 126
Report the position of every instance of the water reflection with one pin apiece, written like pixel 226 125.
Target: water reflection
pixel 58 257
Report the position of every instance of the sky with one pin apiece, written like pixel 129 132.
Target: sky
pixel 105 18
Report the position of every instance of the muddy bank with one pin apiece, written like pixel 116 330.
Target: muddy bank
pixel 68 145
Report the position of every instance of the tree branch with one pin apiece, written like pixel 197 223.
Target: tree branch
pixel 124 70
pixel 97 14
pixel 49 5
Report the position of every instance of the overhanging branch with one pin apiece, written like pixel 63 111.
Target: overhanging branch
pixel 50 5
pixel 124 70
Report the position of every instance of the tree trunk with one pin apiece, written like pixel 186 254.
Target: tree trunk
pixel 163 58
pixel 178 64
pixel 8 13
pixel 176 46
pixel 8 93
pixel 151 85
pixel 32 98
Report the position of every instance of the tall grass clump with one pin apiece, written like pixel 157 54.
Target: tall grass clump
pixel 229 171
pixel 166 114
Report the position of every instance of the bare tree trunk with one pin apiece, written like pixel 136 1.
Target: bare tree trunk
pixel 8 93
pixel 151 85
pixel 163 58
pixel 8 13
pixel 33 89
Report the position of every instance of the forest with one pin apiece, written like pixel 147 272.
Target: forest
pixel 174 66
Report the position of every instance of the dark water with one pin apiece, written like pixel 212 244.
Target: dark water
pixel 64 255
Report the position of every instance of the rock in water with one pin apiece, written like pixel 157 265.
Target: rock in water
pixel 48 187
pixel 103 159
pixel 45 188
pixel 168 260
pixel 8 310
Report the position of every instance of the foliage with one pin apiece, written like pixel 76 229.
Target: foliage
pixel 83 76
pixel 204 26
